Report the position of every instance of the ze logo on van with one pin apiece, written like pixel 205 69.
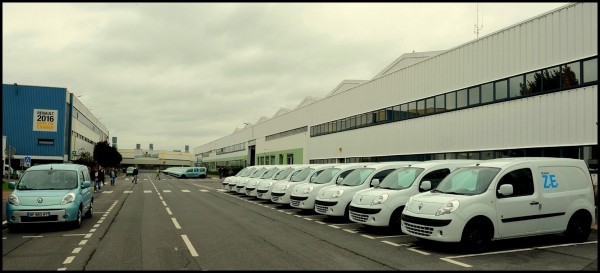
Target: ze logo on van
pixel 549 181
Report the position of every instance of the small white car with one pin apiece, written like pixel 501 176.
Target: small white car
pixel 505 198
pixel 232 183
pixel 303 196
pixel 241 184
pixel 282 190
pixel 263 190
pixel 225 183
pixel 335 200
pixel 253 183
pixel 382 205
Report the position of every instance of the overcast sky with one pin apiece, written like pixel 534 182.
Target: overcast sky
pixel 176 74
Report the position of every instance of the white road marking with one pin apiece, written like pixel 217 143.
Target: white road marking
pixel 147 191
pixel 76 250
pixel 419 251
pixel 322 223
pixel 177 226
pixel 69 259
pixel 166 190
pixel 164 203
pixel 189 246
pixel 82 242
pixel 351 230
pixel 455 262
pixel 390 243
pixel 169 211
pixel 127 191
pixel 107 192
pixel 185 190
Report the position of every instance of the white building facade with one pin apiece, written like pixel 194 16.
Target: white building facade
pixel 527 90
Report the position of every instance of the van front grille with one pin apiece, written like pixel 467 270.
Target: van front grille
pixel 418 229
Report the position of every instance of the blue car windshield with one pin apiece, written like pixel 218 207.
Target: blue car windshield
pixel 48 180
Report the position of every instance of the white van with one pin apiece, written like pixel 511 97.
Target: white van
pixel 304 196
pixel 233 182
pixel 263 189
pixel 335 200
pixel 382 205
pixel 225 183
pixel 241 184
pixel 505 198
pixel 281 191
pixel 272 171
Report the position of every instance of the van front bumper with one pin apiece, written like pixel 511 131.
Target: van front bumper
pixel 442 229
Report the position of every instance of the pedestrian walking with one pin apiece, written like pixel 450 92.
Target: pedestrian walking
pixel 135 176
pixel 158 173
pixel 101 176
pixel 97 186
pixel 113 176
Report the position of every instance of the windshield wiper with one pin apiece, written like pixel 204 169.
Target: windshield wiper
pixel 457 193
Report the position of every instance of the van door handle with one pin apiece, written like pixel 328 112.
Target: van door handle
pixel 534 203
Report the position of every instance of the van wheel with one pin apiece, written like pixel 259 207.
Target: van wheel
pixel 347 212
pixel 77 222
pixel 579 227
pixel 395 221
pixel 476 236
pixel 183 177
pixel 88 214
pixel 12 228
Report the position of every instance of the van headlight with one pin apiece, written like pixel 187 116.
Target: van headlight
pixel 13 199
pixel 380 199
pixel 69 198
pixel 307 190
pixel 337 194
pixel 448 207
pixel 270 183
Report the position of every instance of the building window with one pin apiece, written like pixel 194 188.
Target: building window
pixel 551 80
pixel 590 70
pixel 501 91
pixel 487 93
pixel 533 83
pixel 461 98
pixel 430 105
pixel 45 141
pixel 514 86
pixel 474 95
pixel 451 101
pixel 440 102
pixel 571 75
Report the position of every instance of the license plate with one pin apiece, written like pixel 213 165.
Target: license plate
pixel 38 214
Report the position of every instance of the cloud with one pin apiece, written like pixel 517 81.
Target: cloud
pixel 190 73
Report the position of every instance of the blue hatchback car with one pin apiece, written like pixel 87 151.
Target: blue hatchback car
pixel 50 193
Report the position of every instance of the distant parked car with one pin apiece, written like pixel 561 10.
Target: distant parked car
pixel 187 172
pixel 129 171
pixel 50 193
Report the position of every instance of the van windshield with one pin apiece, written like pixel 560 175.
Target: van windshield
pixel 248 172
pixel 48 180
pixel 284 174
pixel 258 173
pixel 468 181
pixel 302 175
pixel 357 177
pixel 325 176
pixel 401 178
pixel 269 174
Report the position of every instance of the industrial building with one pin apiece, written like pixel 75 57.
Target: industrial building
pixel 47 125
pixel 530 89
pixel 51 125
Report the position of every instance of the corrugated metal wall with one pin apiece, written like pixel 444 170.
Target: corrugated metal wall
pixel 18 102
pixel 558 119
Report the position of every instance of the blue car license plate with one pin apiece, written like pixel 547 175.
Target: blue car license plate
pixel 38 214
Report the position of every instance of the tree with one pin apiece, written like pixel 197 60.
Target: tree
pixel 106 155
pixel 85 158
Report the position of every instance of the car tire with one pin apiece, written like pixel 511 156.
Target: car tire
pixel 476 236
pixel 183 177
pixel 88 214
pixel 77 222
pixel 12 228
pixel 395 221
pixel 579 227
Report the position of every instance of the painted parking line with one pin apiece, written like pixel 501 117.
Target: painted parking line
pixel 185 190
pixel 166 190
pixel 419 251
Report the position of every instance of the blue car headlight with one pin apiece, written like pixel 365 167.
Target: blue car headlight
pixel 13 199
pixel 68 198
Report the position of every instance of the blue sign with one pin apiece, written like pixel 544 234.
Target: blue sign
pixel 27 159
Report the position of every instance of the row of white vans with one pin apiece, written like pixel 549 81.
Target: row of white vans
pixel 468 201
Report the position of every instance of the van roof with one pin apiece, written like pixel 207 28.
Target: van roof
pixel 431 163
pixel 509 161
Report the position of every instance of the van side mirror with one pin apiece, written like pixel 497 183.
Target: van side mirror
pixel 312 179
pixel 506 189
pixel 375 182
pixel 339 180
pixel 86 184
pixel 425 185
